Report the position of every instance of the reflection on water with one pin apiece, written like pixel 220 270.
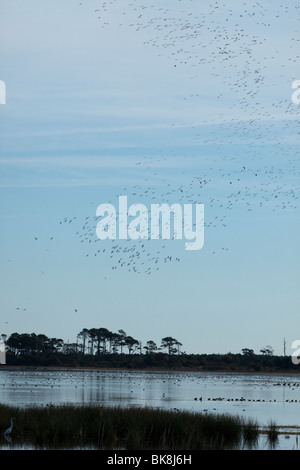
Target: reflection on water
pixel 264 397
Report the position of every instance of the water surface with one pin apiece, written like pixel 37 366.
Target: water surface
pixel 263 397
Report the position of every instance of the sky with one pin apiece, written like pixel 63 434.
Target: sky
pixel 169 102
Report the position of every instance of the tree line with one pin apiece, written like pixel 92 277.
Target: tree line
pixel 93 341
pixel 101 348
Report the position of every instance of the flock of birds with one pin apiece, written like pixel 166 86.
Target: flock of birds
pixel 265 188
pixel 231 46
pixel 244 157
pixel 241 158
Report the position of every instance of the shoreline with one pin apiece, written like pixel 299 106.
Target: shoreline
pixel 155 369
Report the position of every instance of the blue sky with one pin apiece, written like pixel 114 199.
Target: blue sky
pixel 165 102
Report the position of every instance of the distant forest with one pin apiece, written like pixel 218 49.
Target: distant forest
pixel 101 348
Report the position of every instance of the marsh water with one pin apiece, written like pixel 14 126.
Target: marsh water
pixel 263 397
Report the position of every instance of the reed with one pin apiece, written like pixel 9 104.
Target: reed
pixel 272 434
pixel 70 426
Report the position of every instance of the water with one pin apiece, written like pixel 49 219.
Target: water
pixel 263 397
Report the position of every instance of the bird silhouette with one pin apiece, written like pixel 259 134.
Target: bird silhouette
pixel 8 431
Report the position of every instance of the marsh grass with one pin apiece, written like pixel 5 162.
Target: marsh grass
pixel 71 426
pixel 272 434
